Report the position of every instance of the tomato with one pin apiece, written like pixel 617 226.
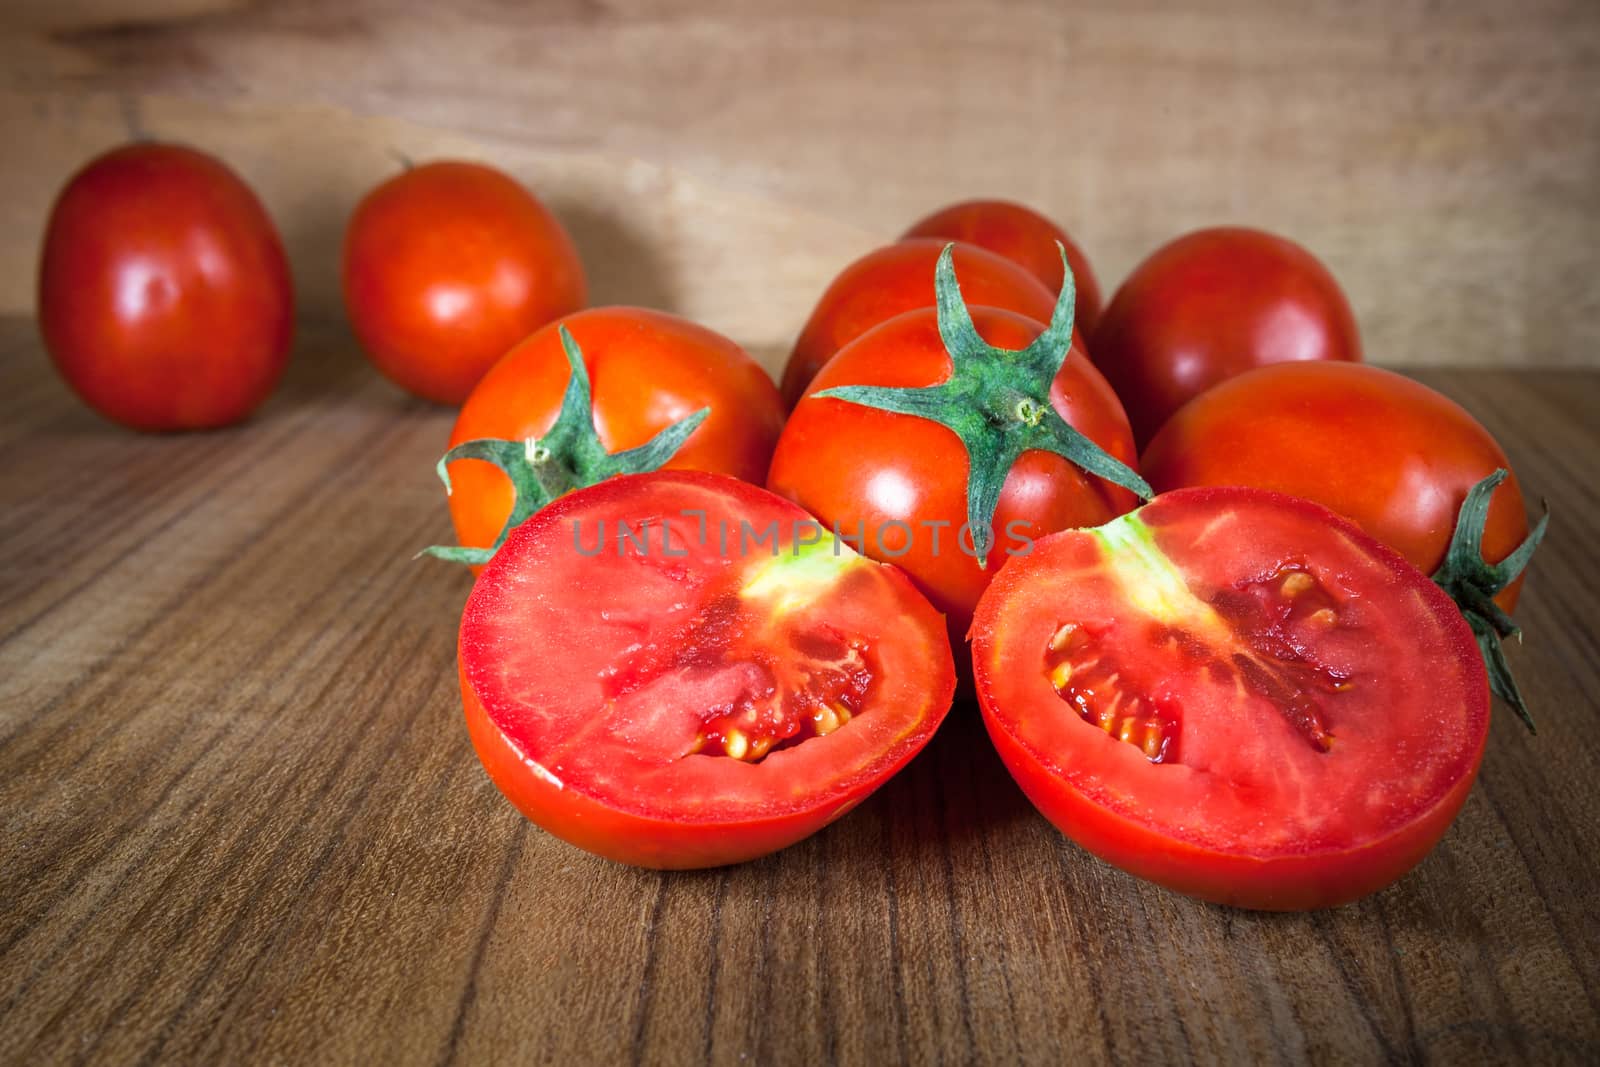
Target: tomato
pixel 905 484
pixel 1213 304
pixel 646 679
pixel 1377 447
pixel 896 278
pixel 164 295
pixel 1235 694
pixel 448 265
pixel 1023 236
pixel 649 370
pixel 1399 459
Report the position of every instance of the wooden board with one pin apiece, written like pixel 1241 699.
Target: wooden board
pixel 242 821
pixel 724 158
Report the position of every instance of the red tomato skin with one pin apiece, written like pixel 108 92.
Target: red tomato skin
pixel 165 298
pixel 636 837
pixel 849 464
pixel 1280 883
pixel 1025 237
pixel 623 836
pixel 1386 452
pixel 448 265
pixel 1283 882
pixel 647 370
pixel 1213 304
pixel 898 278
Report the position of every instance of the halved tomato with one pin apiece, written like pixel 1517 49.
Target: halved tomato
pixel 1235 694
pixel 679 669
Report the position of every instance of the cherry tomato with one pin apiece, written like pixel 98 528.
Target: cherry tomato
pixel 448 265
pixel 1235 694
pixel 1023 236
pixel 1213 304
pixel 902 481
pixel 647 371
pixel 164 294
pixel 645 679
pixel 896 278
pixel 1385 451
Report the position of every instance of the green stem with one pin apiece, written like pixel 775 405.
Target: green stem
pixel 997 402
pixel 569 456
pixel 1473 581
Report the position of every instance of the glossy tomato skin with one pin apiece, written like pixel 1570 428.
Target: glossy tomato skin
pixel 1383 450
pixel 855 466
pixel 448 265
pixel 647 370
pixel 1025 237
pixel 623 783
pixel 164 294
pixel 899 278
pixel 1213 304
pixel 1247 813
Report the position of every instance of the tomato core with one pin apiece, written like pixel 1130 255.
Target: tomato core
pixel 1251 636
pixel 784 699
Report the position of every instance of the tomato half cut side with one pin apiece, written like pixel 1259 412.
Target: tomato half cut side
pixel 679 669
pixel 1235 694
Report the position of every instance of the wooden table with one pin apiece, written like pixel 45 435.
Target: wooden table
pixel 242 820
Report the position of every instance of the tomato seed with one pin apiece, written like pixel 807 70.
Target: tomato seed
pixel 1297 582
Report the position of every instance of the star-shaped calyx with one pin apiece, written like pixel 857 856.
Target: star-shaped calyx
pixel 997 401
pixel 1472 583
pixel 569 456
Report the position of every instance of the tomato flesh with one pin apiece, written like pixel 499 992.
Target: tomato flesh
pixel 1236 694
pixel 644 679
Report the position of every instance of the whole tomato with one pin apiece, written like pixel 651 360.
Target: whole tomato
pixel 1383 450
pixel 1023 236
pixel 164 294
pixel 648 370
pixel 899 277
pixel 901 483
pixel 1213 304
pixel 448 265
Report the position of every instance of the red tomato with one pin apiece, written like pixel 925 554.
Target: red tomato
pixel 1023 236
pixel 164 295
pixel 448 265
pixel 647 370
pixel 858 468
pixel 896 278
pixel 1235 694
pixel 1211 305
pixel 644 680
pixel 1380 449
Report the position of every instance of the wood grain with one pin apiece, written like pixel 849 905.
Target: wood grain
pixel 724 159
pixel 242 822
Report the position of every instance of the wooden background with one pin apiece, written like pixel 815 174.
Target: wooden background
pixel 723 158
pixel 240 820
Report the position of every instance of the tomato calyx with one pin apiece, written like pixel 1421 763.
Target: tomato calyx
pixel 1473 581
pixel 997 401
pixel 569 456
